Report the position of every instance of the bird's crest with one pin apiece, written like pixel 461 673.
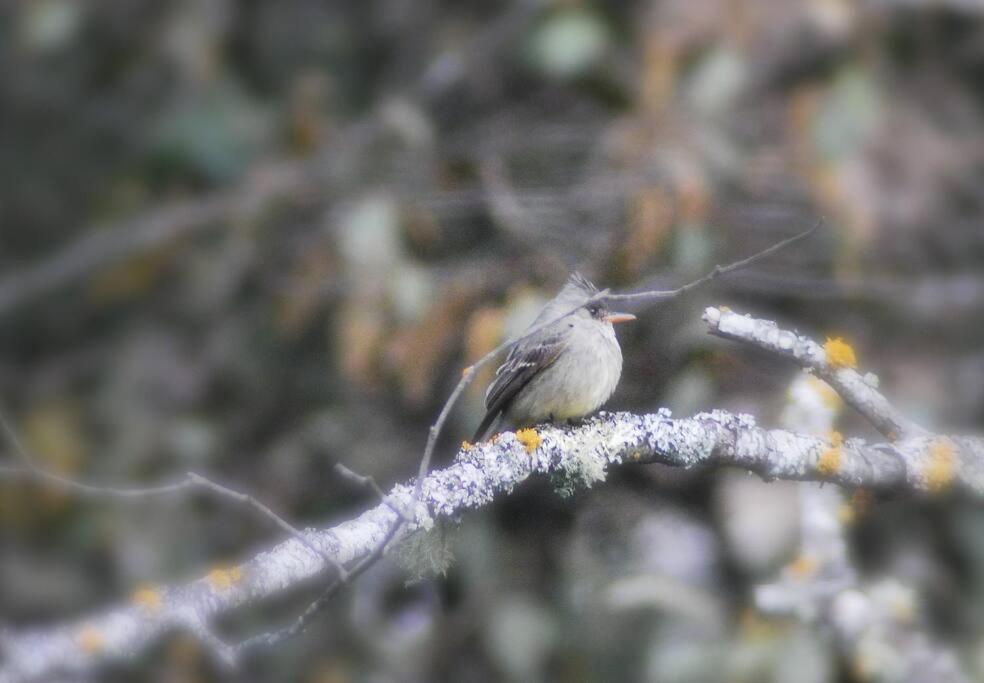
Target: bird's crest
pixel 582 283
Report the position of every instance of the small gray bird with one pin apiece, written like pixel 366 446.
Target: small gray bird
pixel 564 371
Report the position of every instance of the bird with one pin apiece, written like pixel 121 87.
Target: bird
pixel 562 372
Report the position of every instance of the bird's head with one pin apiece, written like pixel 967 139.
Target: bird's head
pixel 579 288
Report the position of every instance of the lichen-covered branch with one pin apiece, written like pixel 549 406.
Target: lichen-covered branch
pixel 926 461
pixel 479 474
pixel 860 392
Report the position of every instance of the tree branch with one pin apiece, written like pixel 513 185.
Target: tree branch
pixel 480 474
pixel 192 480
pixel 857 391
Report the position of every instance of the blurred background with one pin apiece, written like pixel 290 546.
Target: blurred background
pixel 254 239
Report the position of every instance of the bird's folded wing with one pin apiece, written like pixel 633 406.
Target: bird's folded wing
pixel 524 362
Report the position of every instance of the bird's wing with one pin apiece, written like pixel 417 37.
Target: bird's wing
pixel 524 362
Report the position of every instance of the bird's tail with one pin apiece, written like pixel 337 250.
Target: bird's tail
pixel 487 422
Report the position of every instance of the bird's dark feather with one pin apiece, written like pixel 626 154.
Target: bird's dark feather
pixel 524 362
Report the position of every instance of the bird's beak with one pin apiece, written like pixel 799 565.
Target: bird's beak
pixel 616 318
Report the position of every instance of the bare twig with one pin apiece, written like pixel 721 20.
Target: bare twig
pixel 249 500
pixel 33 471
pixel 718 271
pixel 360 480
pixel 305 617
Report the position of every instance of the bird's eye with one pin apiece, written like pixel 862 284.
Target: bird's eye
pixel 594 310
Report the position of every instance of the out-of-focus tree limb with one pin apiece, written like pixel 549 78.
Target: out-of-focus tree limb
pixel 859 392
pixel 479 475
pixel 100 247
pixel 877 624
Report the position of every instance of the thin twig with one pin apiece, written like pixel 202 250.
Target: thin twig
pixel 273 638
pixel 435 429
pixel 32 470
pixel 191 480
pixel 368 482
pixel 717 272
pixel 360 480
pixel 247 499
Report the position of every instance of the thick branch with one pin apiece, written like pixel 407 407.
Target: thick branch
pixel 477 477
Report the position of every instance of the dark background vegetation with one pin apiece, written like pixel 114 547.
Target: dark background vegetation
pixel 253 239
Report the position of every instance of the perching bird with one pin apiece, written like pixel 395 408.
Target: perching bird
pixel 562 372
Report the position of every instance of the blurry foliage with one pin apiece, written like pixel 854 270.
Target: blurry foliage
pixel 462 158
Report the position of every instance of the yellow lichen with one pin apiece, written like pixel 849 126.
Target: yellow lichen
pixel 467 445
pixel 942 466
pixel 221 578
pixel 529 438
pixel 90 639
pixel 802 567
pixel 147 597
pixel 830 460
pixel 839 353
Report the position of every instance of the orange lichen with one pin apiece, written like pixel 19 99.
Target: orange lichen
pixel 148 597
pixel 90 639
pixel 221 578
pixel 840 354
pixel 802 567
pixel 467 445
pixel 466 370
pixel 942 466
pixel 830 460
pixel 529 438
